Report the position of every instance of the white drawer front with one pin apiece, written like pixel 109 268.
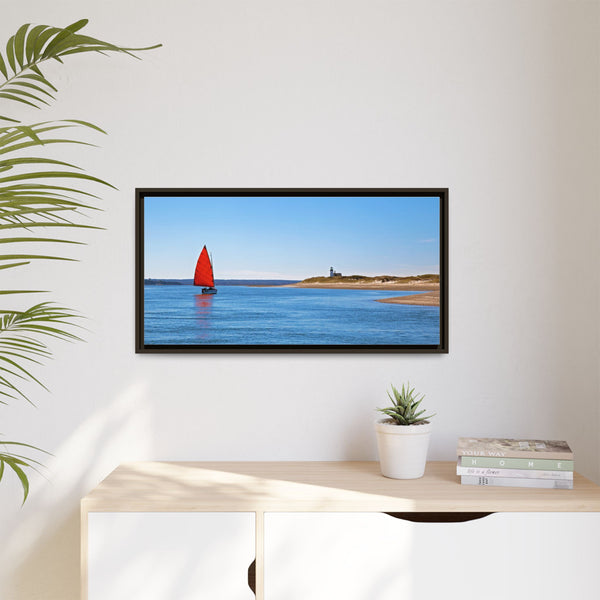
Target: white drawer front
pixel 372 556
pixel 170 556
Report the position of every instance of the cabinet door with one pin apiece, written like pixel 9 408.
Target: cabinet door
pixel 170 556
pixel 373 556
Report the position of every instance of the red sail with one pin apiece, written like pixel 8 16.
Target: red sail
pixel 204 273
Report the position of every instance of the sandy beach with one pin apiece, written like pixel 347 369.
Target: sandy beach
pixel 430 299
pixel 399 287
pixel 429 290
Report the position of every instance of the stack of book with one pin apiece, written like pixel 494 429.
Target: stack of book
pixel 515 463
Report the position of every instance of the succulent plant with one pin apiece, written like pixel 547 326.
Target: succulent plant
pixel 404 406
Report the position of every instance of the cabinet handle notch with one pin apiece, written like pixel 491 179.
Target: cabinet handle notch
pixel 438 517
pixel 252 576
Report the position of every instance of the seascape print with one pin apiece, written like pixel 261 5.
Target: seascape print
pixel 291 271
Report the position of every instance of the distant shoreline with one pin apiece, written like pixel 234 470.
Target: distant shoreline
pixel 222 282
pixel 399 287
pixel 428 287
pixel 427 282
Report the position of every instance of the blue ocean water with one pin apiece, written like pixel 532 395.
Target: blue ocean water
pixel 244 315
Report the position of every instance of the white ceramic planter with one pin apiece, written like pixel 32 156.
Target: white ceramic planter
pixel 402 449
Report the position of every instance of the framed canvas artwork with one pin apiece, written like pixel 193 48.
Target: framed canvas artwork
pixel 292 270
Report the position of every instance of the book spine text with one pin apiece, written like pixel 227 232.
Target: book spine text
pixel 516 482
pixel 517 463
pixel 519 473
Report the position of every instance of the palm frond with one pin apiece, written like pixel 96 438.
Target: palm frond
pixel 32 45
pixel 18 463
pixel 38 192
pixel 28 201
pixel 23 337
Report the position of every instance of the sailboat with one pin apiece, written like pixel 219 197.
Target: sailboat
pixel 204 273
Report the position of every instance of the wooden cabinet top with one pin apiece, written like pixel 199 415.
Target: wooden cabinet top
pixel 318 486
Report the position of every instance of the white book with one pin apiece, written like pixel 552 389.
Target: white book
pixel 517 482
pixel 519 473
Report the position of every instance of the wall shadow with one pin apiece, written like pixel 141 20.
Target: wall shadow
pixel 40 551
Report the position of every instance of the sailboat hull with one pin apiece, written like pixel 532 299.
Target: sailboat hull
pixel 210 290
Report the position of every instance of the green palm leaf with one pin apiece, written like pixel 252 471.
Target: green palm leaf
pixel 32 46
pixel 18 463
pixel 38 192
pixel 28 202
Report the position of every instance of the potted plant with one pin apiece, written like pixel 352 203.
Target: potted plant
pixel 403 437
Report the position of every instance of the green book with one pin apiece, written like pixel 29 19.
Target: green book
pixel 517 463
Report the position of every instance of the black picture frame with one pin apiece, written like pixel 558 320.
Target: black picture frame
pixel 141 194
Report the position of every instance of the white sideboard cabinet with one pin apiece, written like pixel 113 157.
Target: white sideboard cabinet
pixel 332 530
pixel 362 556
pixel 169 555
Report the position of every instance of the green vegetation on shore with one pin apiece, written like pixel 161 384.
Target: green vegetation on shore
pixel 426 279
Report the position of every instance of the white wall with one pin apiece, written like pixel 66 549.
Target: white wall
pixel 496 100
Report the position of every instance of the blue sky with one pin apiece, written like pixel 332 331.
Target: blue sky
pixel 291 238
